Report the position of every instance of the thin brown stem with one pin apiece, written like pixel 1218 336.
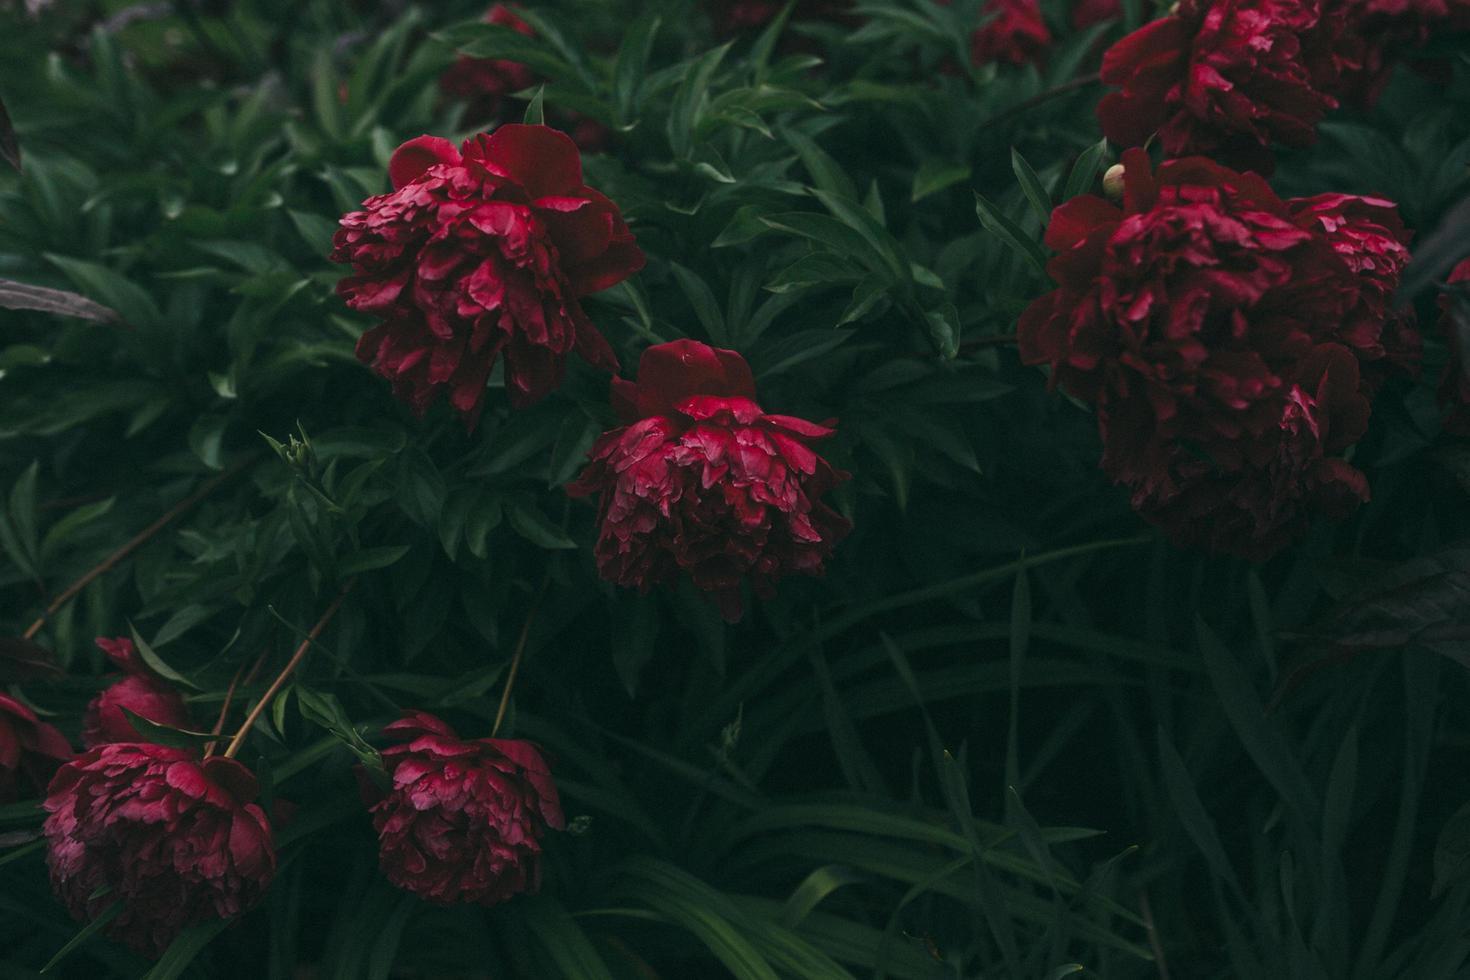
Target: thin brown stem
pixel 980 343
pixel 239 739
pixel 137 541
pixel 1081 81
pixel 515 660
pixel 224 711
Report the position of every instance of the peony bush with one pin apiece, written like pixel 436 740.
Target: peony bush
pixel 696 488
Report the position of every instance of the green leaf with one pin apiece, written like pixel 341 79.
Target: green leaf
pixel 206 440
pixel 1085 170
pixel 562 939
pixel 112 290
pixel 706 307
pixel 632 63
pixel 692 93
pixel 316 231
pixel 155 662
pixel 184 949
pixel 827 174
pixel 103 919
pixel 535 113
pixel 178 738
pixel 814 888
pixel 1007 231
pixel 370 559
pixel 935 175
pixel 528 521
pixel 1032 187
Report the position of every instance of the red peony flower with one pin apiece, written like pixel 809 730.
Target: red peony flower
pixel 141 692
pixel 463 820
pixel 1223 78
pixel 1454 384
pixel 1371 238
pixel 483 83
pixel 1085 13
pixel 1219 331
pixel 702 481
pixel 30 749
pixel 480 253
pixel 1013 33
pixel 176 840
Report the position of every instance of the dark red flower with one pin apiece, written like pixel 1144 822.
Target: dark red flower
pixel 30 749
pixel 702 481
pixel 1223 78
pixel 478 253
pixel 1219 331
pixel 1085 13
pixel 176 840
pixel 1371 238
pixel 463 820
pixel 483 83
pixel 141 692
pixel 1013 33
pixel 1454 384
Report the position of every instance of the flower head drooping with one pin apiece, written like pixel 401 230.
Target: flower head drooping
pixel 176 840
pixel 1222 78
pixel 701 481
pixel 1223 335
pixel 480 253
pixel 483 83
pixel 30 749
pixel 141 692
pixel 462 820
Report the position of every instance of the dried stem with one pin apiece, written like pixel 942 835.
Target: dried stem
pixel 138 540
pixel 515 660
pixel 239 739
pixel 1081 81
pixel 224 711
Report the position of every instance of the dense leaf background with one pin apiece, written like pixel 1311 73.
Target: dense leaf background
pixel 1012 733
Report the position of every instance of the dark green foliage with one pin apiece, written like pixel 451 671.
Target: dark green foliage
pixel 1012 733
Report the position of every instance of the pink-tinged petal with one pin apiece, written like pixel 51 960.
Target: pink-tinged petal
pixel 616 263
pixel 801 427
pixel 120 651
pixel 1073 221
pixel 418 723
pixel 412 159
pixel 233 776
pixel 668 374
pixel 543 160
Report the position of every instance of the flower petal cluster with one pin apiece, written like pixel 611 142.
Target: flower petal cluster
pixel 702 482
pixel 463 820
pixel 30 749
pixel 1224 335
pixel 483 83
pixel 480 253
pixel 175 839
pixel 1013 33
pixel 1222 78
pixel 141 692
